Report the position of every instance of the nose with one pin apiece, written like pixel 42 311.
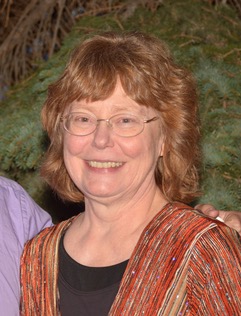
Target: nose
pixel 103 135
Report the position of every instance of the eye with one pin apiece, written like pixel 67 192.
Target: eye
pixel 82 119
pixel 126 120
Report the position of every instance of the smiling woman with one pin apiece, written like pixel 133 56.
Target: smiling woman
pixel 94 70
pixel 130 145
pixel 124 133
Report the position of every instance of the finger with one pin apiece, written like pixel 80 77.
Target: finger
pixel 232 219
pixel 207 209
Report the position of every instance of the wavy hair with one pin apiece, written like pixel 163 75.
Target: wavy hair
pixel 150 77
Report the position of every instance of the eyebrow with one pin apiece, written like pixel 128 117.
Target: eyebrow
pixel 124 107
pixel 137 109
pixel 115 107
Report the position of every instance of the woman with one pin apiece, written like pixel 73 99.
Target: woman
pixel 124 133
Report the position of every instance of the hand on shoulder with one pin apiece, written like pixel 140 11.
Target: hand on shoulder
pixel 230 218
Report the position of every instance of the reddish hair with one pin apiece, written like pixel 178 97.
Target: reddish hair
pixel 151 78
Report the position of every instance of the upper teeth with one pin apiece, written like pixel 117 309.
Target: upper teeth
pixel 108 164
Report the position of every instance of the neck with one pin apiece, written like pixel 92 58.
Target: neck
pixel 106 233
pixel 135 210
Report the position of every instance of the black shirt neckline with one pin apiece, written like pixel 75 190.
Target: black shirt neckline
pixel 84 278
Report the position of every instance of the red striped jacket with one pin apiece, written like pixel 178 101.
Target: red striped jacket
pixel 183 264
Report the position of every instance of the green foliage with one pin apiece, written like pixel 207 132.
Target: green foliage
pixel 203 38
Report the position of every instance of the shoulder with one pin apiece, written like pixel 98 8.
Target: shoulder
pixel 24 216
pixel 202 222
pixel 9 185
pixel 191 225
pixel 185 219
pixel 211 243
pixel 49 235
pixel 207 237
pixel 189 215
pixel 45 244
pixel 220 241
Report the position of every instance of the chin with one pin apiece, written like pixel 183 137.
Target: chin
pixel 100 192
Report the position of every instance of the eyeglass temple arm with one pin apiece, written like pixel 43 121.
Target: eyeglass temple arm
pixel 152 119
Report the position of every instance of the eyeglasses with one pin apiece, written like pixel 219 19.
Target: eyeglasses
pixel 124 125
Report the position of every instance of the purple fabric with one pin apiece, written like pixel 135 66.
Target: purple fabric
pixel 20 219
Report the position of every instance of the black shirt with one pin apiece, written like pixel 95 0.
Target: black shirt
pixel 87 291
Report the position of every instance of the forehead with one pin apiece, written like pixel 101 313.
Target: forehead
pixel 119 101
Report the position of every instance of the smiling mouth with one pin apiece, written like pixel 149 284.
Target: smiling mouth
pixel 109 164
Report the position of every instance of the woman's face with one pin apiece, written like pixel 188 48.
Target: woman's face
pixel 105 165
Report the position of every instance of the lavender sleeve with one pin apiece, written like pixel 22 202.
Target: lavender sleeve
pixel 20 219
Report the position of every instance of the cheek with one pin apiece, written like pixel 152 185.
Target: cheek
pixel 131 148
pixel 73 145
pixel 71 151
pixel 143 149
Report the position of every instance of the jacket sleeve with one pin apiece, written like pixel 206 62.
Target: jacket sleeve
pixel 39 272
pixel 214 276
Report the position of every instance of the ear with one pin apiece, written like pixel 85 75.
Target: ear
pixel 162 147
